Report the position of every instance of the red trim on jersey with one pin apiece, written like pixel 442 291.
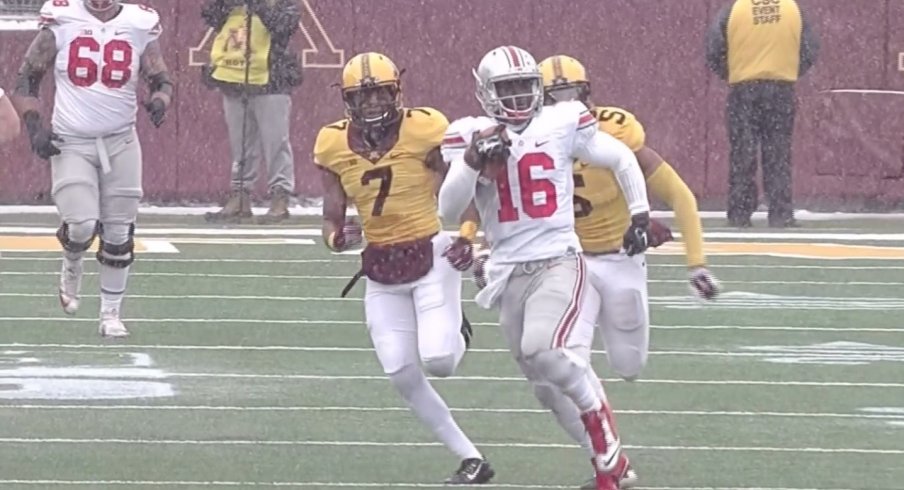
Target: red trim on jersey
pixel 513 55
pixel 566 325
pixel 46 21
pixel 453 141
pixel 585 119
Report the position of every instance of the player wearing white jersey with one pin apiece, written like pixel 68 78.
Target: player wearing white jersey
pixel 97 49
pixel 517 166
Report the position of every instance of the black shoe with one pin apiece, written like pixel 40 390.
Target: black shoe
pixel 472 471
pixel 740 222
pixel 466 331
pixel 783 223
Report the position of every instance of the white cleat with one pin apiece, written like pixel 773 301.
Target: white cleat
pixel 70 285
pixel 111 326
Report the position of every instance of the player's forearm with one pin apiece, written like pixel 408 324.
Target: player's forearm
pixel 667 185
pixel 9 120
pixel 161 87
pixel 457 191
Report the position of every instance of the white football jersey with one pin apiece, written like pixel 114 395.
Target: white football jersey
pixel 528 212
pixel 97 66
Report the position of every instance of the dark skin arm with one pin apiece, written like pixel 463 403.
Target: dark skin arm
pixel 38 61
pixel 434 161
pixel 335 203
pixel 155 73
pixel 649 160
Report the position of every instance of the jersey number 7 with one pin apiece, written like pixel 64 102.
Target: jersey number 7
pixel 529 187
pixel 117 70
pixel 384 174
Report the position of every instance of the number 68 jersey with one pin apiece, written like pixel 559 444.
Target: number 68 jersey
pixel 97 66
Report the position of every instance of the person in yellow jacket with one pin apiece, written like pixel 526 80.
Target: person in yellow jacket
pixel 256 96
pixel 761 48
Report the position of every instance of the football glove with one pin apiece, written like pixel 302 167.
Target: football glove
pixel 156 111
pixel 636 239
pixel 490 146
pixel 704 285
pixel 659 233
pixel 349 236
pixel 479 272
pixel 41 138
pixel 460 254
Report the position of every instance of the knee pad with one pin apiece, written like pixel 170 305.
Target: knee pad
pixel 628 362
pixel 77 237
pixel 407 379
pixel 559 367
pixel 117 245
pixel 441 367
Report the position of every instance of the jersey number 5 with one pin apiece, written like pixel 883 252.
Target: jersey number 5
pixel 384 174
pixel 117 70
pixel 529 187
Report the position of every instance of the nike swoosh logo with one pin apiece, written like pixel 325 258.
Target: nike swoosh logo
pixel 120 33
pixel 538 144
pixel 395 155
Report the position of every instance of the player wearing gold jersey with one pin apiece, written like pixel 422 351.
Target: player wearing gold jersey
pixel 385 159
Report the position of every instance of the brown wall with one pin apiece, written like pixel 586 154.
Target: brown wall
pixel 644 55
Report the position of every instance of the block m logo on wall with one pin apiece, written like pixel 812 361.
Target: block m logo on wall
pixel 319 50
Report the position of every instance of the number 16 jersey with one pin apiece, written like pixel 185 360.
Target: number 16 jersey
pixel 528 211
pixel 97 66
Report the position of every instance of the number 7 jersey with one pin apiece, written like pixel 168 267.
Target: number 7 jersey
pixel 528 211
pixel 97 66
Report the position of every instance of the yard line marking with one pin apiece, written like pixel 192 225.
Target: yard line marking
pixel 226 408
pixel 52 322
pixel 29 372
pixel 715 265
pixel 177 483
pixel 464 278
pixel 507 445
pixel 333 349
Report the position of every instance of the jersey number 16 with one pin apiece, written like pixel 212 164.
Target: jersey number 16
pixel 529 186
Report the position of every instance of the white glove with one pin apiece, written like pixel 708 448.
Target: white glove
pixel 478 270
pixel 704 285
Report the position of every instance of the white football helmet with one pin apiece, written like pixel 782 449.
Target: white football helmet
pixel 509 85
pixel 101 5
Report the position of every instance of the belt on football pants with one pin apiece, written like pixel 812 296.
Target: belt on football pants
pixel 604 252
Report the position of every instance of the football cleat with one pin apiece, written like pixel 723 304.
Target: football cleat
pixel 627 480
pixel 111 326
pixel 473 471
pixel 70 285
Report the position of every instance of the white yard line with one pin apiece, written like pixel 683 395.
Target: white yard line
pixel 521 411
pixel 245 484
pixel 312 443
pixel 332 349
pixel 338 260
pixel 54 322
pixel 29 372
pixel 465 278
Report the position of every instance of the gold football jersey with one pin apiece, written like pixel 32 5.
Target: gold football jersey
pixel 601 212
pixel 393 192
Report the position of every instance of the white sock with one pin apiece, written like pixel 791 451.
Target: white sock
pixel 566 412
pixel 112 287
pixel 426 403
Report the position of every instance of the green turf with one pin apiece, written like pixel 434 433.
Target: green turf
pixel 305 401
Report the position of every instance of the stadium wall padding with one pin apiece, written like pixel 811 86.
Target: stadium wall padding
pixel 644 55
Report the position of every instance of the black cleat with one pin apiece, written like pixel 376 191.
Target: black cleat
pixel 472 471
pixel 466 331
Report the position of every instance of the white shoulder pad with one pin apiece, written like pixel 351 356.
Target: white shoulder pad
pixel 458 135
pixel 55 13
pixel 144 19
pixel 572 114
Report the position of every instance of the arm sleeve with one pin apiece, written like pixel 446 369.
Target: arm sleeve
pixel 809 45
pixel 457 190
pixel 717 44
pixel 601 150
pixel 667 185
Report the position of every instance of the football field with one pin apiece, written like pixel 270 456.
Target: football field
pixel 245 369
